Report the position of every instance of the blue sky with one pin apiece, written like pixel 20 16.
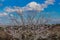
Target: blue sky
pixel 53 10
pixel 22 3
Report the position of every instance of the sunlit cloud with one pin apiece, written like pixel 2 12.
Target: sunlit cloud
pixel 39 7
pixel 34 6
pixel 31 6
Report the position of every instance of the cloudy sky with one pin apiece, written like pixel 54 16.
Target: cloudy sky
pixel 11 6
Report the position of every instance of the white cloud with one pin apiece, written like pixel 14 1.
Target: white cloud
pixel 18 9
pixel 39 7
pixel 34 6
pixel 8 9
pixel 15 9
pixel 48 2
pixel 3 14
pixel 31 6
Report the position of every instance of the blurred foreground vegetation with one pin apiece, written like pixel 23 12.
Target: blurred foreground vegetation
pixel 47 32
